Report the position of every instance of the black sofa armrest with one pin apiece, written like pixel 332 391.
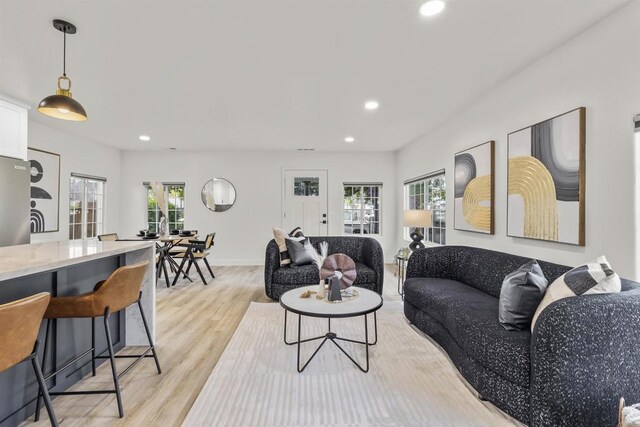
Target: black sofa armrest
pixel 430 262
pixel 373 257
pixel 271 264
pixel 585 355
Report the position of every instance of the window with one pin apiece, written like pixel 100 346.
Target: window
pixel 362 208
pixel 86 207
pixel 428 193
pixel 174 199
pixel 306 186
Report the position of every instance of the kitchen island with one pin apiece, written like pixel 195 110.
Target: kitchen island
pixel 69 268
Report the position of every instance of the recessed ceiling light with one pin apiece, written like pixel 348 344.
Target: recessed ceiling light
pixel 349 139
pixel 432 7
pixel 145 138
pixel 371 105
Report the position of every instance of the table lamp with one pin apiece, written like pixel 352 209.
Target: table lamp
pixel 417 218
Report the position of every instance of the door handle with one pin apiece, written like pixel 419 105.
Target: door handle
pixel 323 221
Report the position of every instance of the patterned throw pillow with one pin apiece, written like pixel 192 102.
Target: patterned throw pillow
pixel 592 278
pixel 280 237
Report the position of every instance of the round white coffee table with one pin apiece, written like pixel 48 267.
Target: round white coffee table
pixel 365 303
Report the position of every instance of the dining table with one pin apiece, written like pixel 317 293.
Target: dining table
pixel 164 244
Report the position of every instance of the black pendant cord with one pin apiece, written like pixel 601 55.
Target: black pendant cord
pixel 64 55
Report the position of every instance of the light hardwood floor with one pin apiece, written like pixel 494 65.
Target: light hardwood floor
pixel 194 325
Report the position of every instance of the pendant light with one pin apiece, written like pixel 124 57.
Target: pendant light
pixel 62 105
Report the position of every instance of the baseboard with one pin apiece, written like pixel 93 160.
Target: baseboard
pixel 234 262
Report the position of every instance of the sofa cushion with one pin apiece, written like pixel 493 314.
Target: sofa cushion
pixel 301 275
pixel 594 277
pixel 485 270
pixel 308 275
pixel 522 291
pixel 299 252
pixel 471 317
pixel 364 274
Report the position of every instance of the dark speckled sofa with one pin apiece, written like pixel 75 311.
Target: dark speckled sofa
pixel 583 355
pixel 365 252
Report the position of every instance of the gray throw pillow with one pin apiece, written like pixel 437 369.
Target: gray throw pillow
pixel 521 293
pixel 298 254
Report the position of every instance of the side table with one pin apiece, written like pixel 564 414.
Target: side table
pixel 401 272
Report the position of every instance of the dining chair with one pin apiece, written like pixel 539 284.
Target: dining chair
pixel 108 237
pixel 195 250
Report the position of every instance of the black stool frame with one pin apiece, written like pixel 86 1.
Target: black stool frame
pixel 112 357
pixel 42 387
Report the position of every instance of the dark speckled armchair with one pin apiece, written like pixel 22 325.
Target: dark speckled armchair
pixel 365 252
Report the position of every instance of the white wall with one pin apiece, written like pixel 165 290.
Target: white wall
pixel 80 156
pixel 244 230
pixel 600 70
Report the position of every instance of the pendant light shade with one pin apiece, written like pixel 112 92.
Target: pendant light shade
pixel 62 105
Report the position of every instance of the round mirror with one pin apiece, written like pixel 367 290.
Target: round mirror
pixel 218 194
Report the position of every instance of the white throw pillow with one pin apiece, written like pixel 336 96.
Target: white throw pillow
pixel 595 277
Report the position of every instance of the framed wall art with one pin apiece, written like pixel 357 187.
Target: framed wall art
pixel 546 180
pixel 45 190
pixel 474 189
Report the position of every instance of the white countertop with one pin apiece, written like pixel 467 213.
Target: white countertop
pixel 22 260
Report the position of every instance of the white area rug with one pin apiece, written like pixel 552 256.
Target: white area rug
pixel 410 381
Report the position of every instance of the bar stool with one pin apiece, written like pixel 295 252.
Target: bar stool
pixel 120 290
pixel 20 322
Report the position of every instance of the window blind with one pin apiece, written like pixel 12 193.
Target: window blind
pixel 165 183
pixel 83 176
pixel 426 176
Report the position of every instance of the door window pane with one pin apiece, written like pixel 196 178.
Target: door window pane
pixel 306 186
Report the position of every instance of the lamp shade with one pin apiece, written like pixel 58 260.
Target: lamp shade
pixel 417 218
pixel 62 106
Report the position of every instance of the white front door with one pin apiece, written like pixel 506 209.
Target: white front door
pixel 305 201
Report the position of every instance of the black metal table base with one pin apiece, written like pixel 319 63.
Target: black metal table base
pixel 333 337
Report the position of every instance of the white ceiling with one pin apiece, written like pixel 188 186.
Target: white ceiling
pixel 275 75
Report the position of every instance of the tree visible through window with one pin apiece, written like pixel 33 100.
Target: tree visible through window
pixel 429 193
pixel 174 196
pixel 86 207
pixel 362 207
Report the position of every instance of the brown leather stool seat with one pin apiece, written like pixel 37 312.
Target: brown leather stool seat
pixel 119 291
pixel 19 325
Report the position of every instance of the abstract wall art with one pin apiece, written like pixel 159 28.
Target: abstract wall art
pixel 474 184
pixel 45 190
pixel 546 180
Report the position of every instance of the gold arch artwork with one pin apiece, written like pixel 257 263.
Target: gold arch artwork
pixel 474 189
pixel 477 191
pixel 531 180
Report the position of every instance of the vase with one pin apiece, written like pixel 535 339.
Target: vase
pixel 162 228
